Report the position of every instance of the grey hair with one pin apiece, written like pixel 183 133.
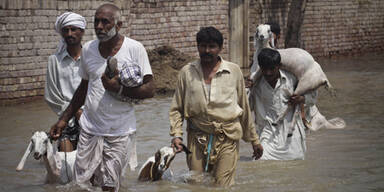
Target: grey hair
pixel 117 16
pixel 116 10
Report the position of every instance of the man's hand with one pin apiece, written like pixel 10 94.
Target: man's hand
pixel 57 128
pixel 113 84
pixel 257 151
pixel 296 99
pixel 176 144
pixel 78 114
pixel 248 83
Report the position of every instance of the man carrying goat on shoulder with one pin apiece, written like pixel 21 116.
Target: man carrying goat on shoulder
pixel 270 97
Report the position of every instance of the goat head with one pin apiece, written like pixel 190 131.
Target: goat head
pixel 38 145
pixel 155 166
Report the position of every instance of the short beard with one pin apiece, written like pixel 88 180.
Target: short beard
pixel 73 43
pixel 111 33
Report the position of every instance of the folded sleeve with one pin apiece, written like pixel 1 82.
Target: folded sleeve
pixel 246 119
pixel 176 113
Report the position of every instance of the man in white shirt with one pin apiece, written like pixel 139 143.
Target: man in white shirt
pixel 108 125
pixel 312 118
pixel 272 97
pixel 62 74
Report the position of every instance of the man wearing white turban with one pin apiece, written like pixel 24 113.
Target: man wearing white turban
pixel 62 74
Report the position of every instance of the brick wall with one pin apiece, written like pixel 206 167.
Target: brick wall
pixel 330 27
pixel 156 23
pixel 27 35
pixel 27 38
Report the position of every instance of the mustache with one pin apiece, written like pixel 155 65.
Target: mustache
pixel 206 55
pixel 70 38
pixel 100 32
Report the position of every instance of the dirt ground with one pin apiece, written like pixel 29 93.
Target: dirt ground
pixel 166 63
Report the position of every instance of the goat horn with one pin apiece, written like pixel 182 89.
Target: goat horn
pixel 20 166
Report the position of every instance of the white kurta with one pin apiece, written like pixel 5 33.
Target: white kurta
pixel 284 140
pixel 107 140
pixel 103 114
pixel 62 81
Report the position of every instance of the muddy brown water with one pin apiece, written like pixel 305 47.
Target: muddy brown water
pixel 351 159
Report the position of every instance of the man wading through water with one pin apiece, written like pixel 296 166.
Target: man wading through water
pixel 108 125
pixel 210 95
pixel 62 74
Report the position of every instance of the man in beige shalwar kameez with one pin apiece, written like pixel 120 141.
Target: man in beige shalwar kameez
pixel 210 95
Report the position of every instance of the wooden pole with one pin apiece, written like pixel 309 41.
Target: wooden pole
pixel 238 32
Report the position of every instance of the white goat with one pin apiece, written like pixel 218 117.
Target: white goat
pixel 299 62
pixel 59 165
pixel 295 60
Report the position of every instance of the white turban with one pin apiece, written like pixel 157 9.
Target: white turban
pixel 68 18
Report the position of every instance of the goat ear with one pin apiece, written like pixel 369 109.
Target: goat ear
pixel 20 166
pixel 145 173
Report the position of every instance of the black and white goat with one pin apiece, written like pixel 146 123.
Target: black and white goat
pixel 59 165
pixel 154 168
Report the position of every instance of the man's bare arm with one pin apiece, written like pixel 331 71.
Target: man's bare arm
pixel 77 101
pixel 146 90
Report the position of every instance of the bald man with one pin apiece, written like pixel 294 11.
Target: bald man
pixel 108 125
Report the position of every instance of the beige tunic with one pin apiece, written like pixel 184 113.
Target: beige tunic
pixel 221 109
pixel 227 108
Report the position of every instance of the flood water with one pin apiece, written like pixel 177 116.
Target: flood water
pixel 351 159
